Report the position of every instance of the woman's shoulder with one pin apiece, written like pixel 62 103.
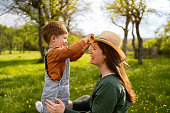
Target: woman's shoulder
pixel 111 81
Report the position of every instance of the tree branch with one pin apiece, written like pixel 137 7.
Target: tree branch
pixel 117 24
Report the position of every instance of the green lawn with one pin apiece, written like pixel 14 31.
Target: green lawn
pixel 22 80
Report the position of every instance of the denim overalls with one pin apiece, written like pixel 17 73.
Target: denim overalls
pixel 59 89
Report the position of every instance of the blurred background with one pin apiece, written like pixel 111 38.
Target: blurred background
pixel 143 25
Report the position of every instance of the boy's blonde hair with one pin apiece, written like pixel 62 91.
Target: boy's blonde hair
pixel 53 28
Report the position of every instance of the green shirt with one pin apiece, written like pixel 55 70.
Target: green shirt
pixel 108 96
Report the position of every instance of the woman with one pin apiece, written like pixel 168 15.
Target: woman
pixel 113 92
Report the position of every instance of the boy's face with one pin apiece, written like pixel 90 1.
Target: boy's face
pixel 59 41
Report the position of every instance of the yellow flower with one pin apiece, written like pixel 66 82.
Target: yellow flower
pixel 144 108
pixel 30 99
pixel 164 105
pixel 27 101
pixel 29 106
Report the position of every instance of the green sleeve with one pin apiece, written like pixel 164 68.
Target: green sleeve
pixel 79 105
pixel 105 98
pixel 67 110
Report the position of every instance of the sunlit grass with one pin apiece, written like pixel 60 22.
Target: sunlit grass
pixel 22 80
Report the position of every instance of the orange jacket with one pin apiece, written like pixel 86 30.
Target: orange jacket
pixel 56 58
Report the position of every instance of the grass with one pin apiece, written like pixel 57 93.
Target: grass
pixel 22 80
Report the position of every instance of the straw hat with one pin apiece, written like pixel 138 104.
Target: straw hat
pixel 112 40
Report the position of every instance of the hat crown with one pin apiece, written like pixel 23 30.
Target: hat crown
pixel 111 37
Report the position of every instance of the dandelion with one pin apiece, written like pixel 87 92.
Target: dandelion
pixel 29 106
pixel 144 108
pixel 27 101
pixel 30 99
pixel 164 105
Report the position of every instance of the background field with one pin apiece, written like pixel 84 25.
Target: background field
pixel 22 80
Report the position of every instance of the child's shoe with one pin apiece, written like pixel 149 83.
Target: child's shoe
pixel 39 106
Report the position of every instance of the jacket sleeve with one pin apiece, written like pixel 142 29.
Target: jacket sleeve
pixel 61 54
pixel 79 105
pixel 77 56
pixel 105 99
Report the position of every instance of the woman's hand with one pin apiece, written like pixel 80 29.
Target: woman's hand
pixel 55 108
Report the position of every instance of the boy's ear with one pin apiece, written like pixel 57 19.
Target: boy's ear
pixel 53 37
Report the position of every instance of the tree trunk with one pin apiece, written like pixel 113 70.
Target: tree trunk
pixel 20 49
pixel 40 34
pixel 10 43
pixel 133 42
pixel 126 33
pixel 0 47
pixel 125 41
pixel 140 46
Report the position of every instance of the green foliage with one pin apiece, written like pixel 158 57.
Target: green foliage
pixel 28 34
pixel 149 43
pixel 163 39
pixel 3 40
pixel 72 39
pixel 23 38
pixel 22 80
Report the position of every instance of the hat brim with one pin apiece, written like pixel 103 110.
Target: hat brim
pixel 119 51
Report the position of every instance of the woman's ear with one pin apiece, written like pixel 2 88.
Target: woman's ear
pixel 105 57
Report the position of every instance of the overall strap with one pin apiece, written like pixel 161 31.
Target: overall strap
pixel 46 67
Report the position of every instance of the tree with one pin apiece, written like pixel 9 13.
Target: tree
pixel 3 39
pixel 139 8
pixel 133 40
pixel 118 9
pixel 9 34
pixel 73 8
pixel 28 37
pixel 163 39
pixel 39 11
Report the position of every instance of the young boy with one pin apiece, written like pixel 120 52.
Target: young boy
pixel 57 62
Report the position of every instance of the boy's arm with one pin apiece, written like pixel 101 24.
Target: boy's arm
pixel 66 52
pixel 77 56
pixel 61 54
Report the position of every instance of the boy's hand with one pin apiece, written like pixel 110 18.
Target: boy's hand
pixel 88 38
pixel 85 47
pixel 92 37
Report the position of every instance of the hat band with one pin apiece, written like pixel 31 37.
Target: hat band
pixel 107 40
